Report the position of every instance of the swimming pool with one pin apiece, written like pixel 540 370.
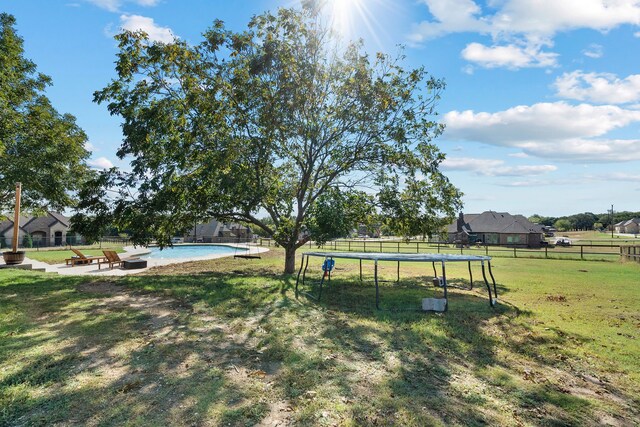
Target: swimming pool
pixel 191 251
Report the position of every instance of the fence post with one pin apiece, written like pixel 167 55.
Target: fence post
pixel 380 245
pixel 349 243
pixel 581 252
pixel 515 255
pixel 486 249
pixel 398 247
pixel 417 247
pixel 438 244
pixel 546 255
pixel 364 246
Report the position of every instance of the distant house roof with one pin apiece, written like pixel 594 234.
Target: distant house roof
pixel 631 221
pixel 210 228
pixel 42 223
pixel 8 223
pixel 35 223
pixel 213 228
pixel 61 218
pixel 496 222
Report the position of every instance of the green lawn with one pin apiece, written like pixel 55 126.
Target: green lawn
pixel 58 256
pixel 224 342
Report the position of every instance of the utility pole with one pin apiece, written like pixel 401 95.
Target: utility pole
pixel 612 221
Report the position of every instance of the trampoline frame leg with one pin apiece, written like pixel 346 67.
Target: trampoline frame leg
pixel 299 272
pixel 486 282
pixel 375 275
pixel 444 285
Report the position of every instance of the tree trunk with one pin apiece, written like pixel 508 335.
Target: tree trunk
pixel 290 259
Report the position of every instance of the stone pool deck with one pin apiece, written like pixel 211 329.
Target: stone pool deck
pixel 130 251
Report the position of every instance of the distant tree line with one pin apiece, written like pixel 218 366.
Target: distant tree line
pixel 584 221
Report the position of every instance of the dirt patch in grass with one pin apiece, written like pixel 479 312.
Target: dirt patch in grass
pixel 101 287
pixel 556 298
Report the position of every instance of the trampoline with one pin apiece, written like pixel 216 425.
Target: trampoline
pixel 428 304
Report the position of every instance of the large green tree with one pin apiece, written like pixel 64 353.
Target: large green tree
pixel 281 119
pixel 38 146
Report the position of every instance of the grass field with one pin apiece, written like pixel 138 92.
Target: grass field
pixel 224 342
pixel 592 250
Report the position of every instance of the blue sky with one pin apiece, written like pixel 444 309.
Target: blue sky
pixel 542 105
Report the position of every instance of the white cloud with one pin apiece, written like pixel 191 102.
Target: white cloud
pixel 101 163
pixel 519 155
pixel 490 167
pixel 451 16
pixel 619 176
pixel 114 5
pixel 526 24
pixel 468 69
pixel 598 87
pixel 529 183
pixel 551 130
pixel 155 32
pixel 636 34
pixel 532 19
pixel 509 56
pixel 593 51
pixel 469 164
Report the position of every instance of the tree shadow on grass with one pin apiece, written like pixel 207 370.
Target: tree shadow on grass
pixel 116 358
pixel 223 349
pixel 448 355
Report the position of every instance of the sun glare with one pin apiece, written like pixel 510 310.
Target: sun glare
pixel 343 14
pixel 347 16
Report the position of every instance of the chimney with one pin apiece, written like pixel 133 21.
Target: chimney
pixel 460 222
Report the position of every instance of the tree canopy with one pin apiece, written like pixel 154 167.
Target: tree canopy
pixel 280 120
pixel 38 146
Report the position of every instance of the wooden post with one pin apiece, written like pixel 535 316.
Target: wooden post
pixel 16 217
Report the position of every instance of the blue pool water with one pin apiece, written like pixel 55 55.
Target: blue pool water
pixel 190 251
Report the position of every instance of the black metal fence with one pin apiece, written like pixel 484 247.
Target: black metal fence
pixel 217 239
pixel 28 241
pixel 37 241
pixel 576 252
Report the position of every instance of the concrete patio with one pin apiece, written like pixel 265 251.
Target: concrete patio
pixel 130 251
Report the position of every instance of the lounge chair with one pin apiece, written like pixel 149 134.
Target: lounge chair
pixel 112 258
pixel 82 258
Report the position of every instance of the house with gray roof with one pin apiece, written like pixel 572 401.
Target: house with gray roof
pixel 6 230
pixel 495 228
pixel 631 226
pixel 216 231
pixel 51 229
